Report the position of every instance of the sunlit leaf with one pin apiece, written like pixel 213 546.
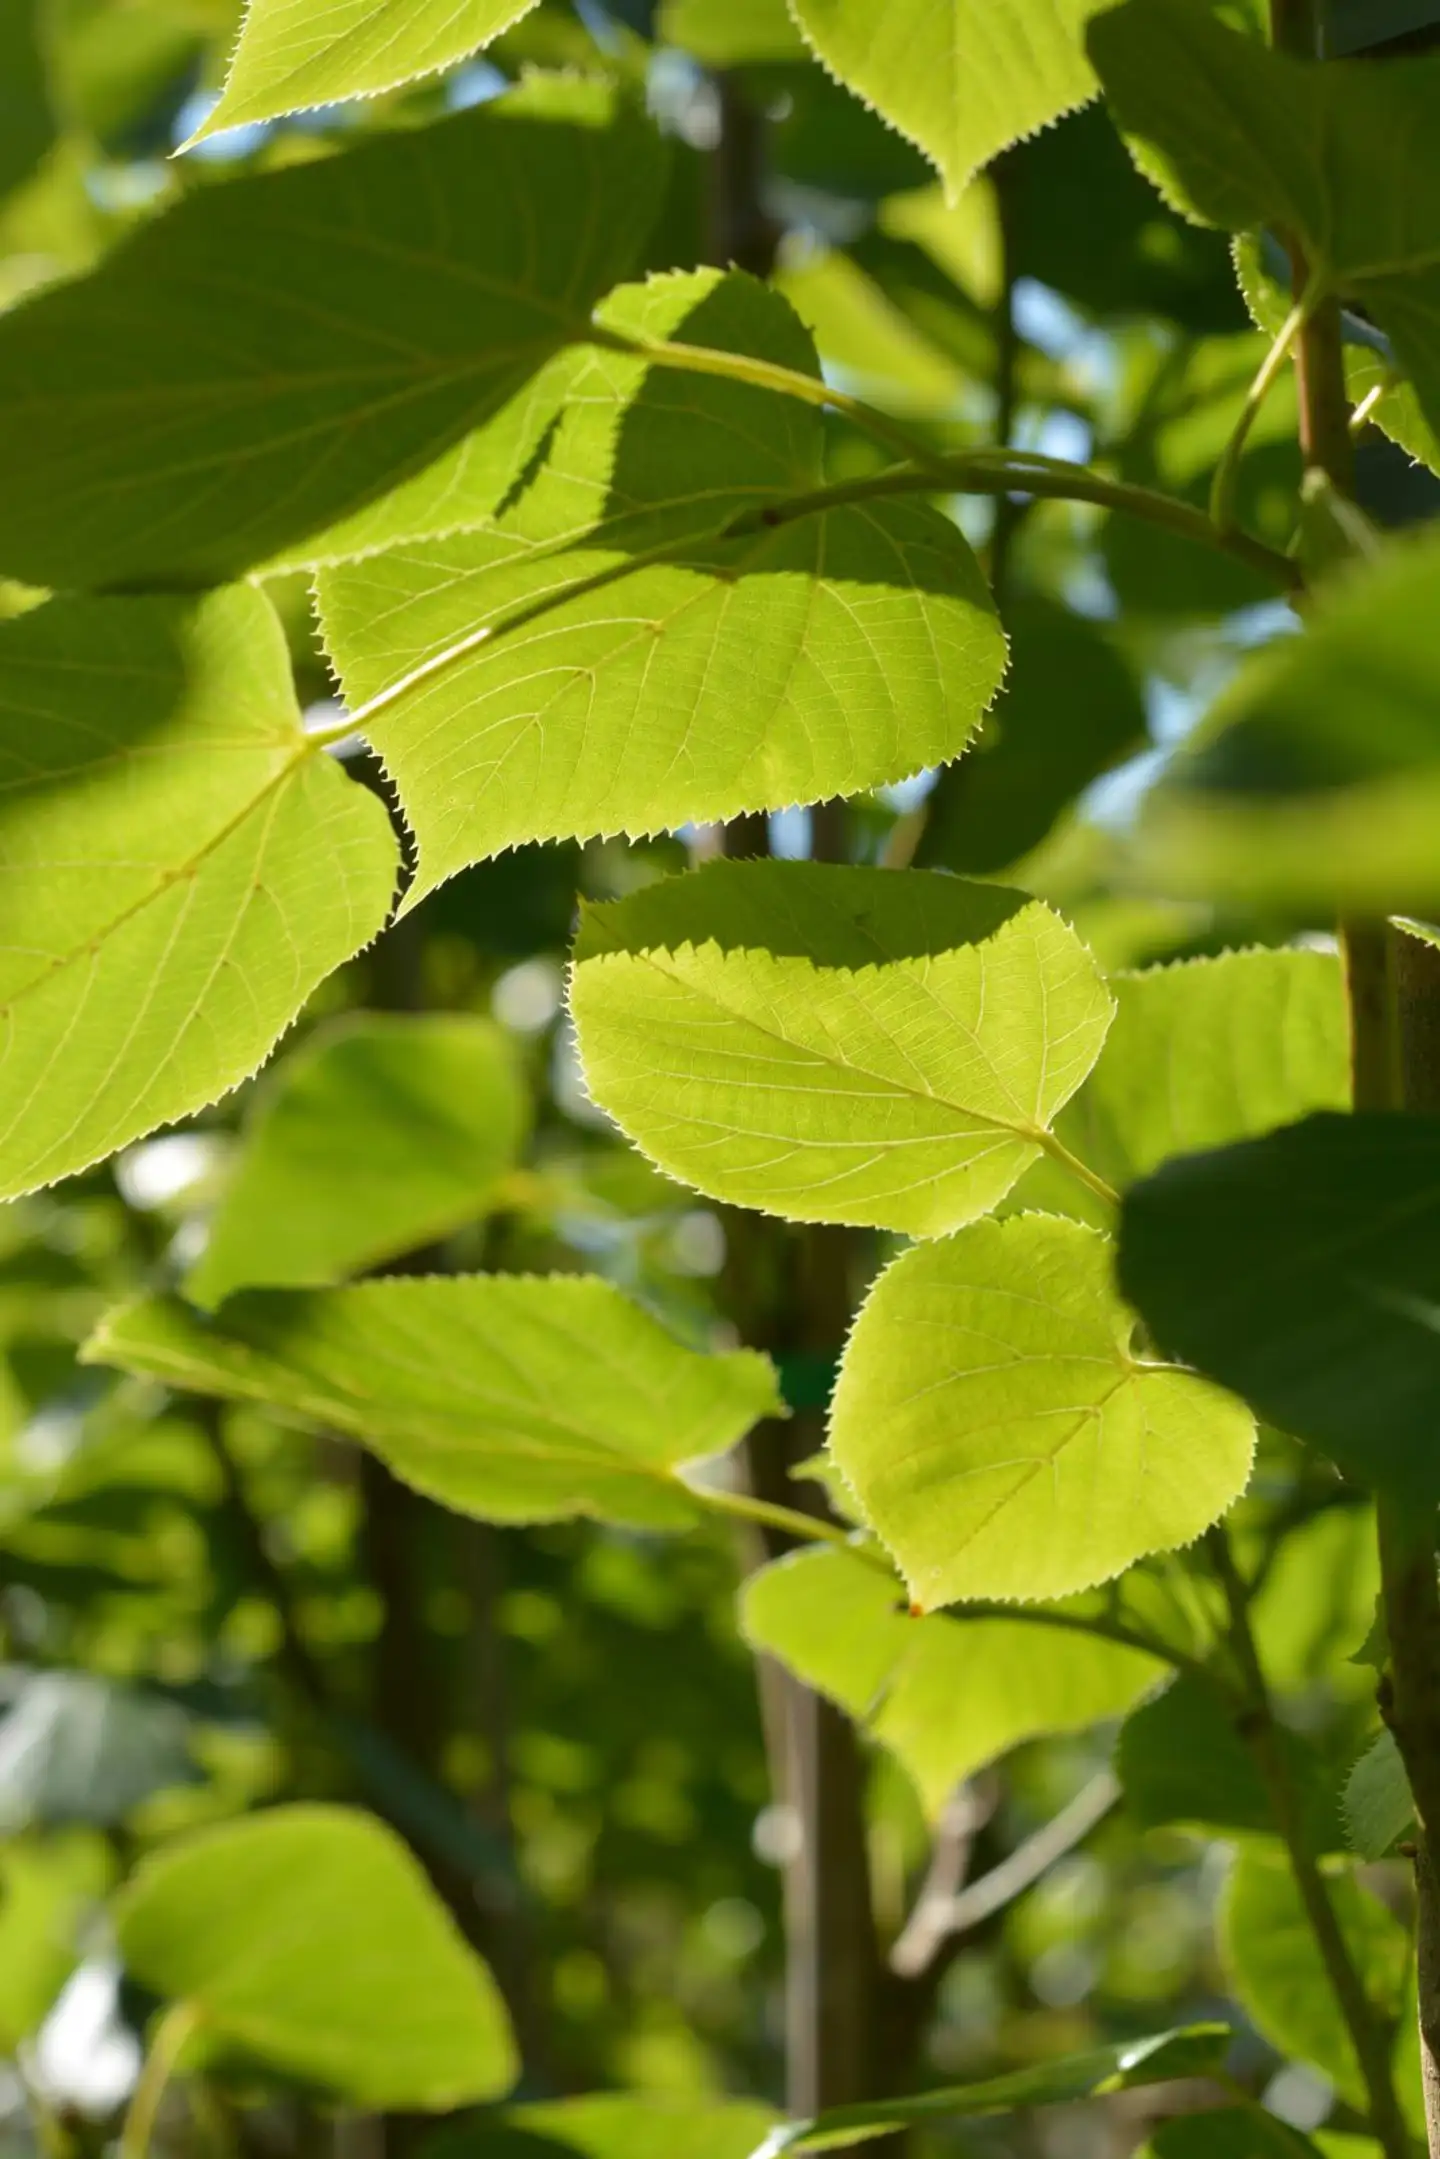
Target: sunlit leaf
pixel 1275 1969
pixel 730 33
pixel 604 659
pixel 1003 1435
pixel 293 55
pixel 309 1936
pixel 946 1696
pixel 278 350
pixel 963 79
pixel 1200 1053
pixel 181 868
pixel 381 1135
pixel 837 1044
pixel 505 1396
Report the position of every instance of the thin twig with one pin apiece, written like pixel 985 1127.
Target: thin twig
pixel 936 1920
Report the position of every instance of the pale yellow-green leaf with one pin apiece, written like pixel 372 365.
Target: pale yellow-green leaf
pixel 945 1696
pixel 605 658
pixel 1002 1433
pixel 837 1044
pixel 179 868
pixel 509 1397
pixel 295 54
pixel 310 1937
pixel 382 1134
pixel 963 79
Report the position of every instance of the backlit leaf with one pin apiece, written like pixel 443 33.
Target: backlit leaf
pixel 946 1696
pixel 382 1134
pixel 1001 1433
pixel 181 868
pixel 1275 1970
pixel 961 78
pixel 1303 1270
pixel 603 659
pixel 836 1044
pixel 309 1936
pixel 509 1397
pixel 278 350
pixel 1203 1052
pixel 294 54
pixel 730 33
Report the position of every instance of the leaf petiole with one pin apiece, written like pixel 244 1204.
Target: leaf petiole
pixel 1227 472
pixel 178 2024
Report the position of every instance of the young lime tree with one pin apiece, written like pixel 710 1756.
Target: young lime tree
pixel 758 471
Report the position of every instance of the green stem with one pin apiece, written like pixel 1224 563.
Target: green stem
pixel 765 375
pixel 1081 1171
pixel 1369 2034
pixel 178 2024
pixel 1105 1630
pixel 1227 472
pixel 1003 472
pixel 791 1520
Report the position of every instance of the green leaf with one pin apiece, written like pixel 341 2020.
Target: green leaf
pixel 1229 2133
pixel 1317 1602
pixel 611 2125
pixel 293 55
pixel 1314 783
pixel 509 1397
pixel 78 1748
pixel 945 1696
pixel 1303 1270
pixel 1181 1759
pixel 730 33
pixel 962 79
pixel 48 1890
pixel 380 1135
pixel 1212 1050
pixel 181 868
pixel 836 1044
pixel 180 414
pixel 1379 1805
pixel 1274 1967
pixel 1341 157
pixel 602 658
pixel 1194 2050
pixel 310 1937
pixel 1071 708
pixel 1001 1435
pixel 27 126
